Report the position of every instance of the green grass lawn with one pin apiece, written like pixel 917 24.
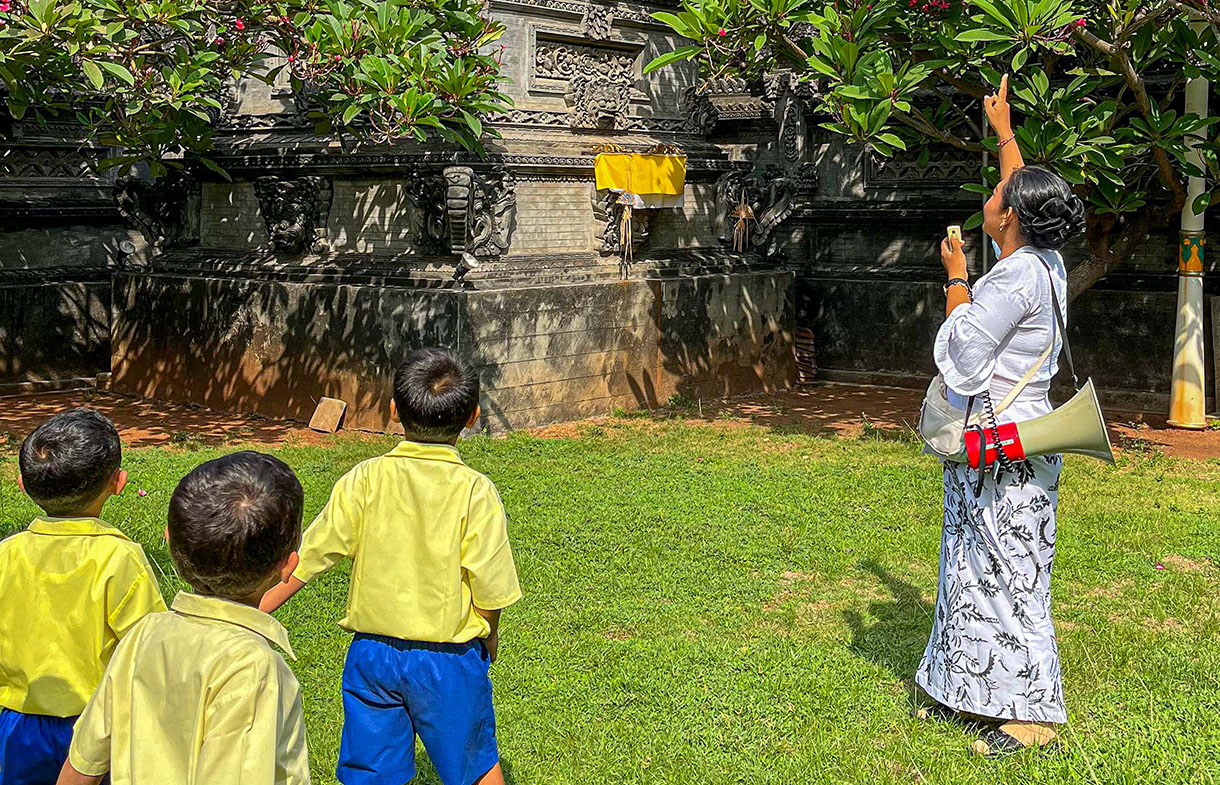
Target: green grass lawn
pixel 718 604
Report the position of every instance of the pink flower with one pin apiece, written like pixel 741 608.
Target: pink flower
pixel 337 58
pixel 1160 566
pixel 292 58
pixel 219 42
pixel 142 493
pixel 1081 23
pixel 239 24
pixel 721 32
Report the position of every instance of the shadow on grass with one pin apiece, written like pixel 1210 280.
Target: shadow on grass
pixel 896 639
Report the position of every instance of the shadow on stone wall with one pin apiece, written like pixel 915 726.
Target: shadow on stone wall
pixel 723 335
pixel 54 330
pixel 273 347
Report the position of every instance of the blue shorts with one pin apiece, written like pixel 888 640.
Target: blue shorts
pixel 33 747
pixel 395 689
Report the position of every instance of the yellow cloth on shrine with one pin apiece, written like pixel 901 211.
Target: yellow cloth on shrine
pixel 641 173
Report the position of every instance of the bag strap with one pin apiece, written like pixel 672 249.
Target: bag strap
pixel 1026 379
pixel 1067 348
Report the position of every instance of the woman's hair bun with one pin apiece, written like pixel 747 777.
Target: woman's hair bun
pixel 1049 214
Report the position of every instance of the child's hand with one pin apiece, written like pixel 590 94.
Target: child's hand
pixel 492 642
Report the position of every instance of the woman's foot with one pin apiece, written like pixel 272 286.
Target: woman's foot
pixel 1013 737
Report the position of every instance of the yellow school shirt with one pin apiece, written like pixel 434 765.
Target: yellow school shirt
pixel 197 696
pixel 70 588
pixel 428 540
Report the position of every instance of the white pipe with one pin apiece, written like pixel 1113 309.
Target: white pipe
pixel 1188 389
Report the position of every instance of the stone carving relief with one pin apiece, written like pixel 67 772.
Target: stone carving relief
pixel 547 119
pixel 166 210
pixel 943 169
pixel 562 60
pixel 723 99
pixel 597 20
pixel 53 162
pixel 598 103
pixel 480 211
pixel 295 211
pixel 769 198
pixel 598 81
pixel 425 191
pixel 792 129
pixel 609 216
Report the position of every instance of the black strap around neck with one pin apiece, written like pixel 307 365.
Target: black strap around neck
pixel 1067 348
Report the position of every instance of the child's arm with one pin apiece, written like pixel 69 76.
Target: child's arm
pixel 70 776
pixel 492 641
pixel 329 539
pixel 279 594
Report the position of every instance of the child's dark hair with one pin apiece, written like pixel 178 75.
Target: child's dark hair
pixel 1049 214
pixel 232 521
pixel 435 394
pixel 68 460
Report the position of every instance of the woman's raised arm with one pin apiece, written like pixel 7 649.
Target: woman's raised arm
pixel 1000 117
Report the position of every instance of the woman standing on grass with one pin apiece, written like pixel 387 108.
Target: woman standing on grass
pixel 992 653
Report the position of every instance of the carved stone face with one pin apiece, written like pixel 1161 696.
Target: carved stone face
pixel 606 104
pixel 289 236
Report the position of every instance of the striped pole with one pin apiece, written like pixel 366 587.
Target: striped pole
pixel 1188 389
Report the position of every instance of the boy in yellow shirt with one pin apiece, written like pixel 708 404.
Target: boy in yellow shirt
pixel 432 568
pixel 197 695
pixel 71 586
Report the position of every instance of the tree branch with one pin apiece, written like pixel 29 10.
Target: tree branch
pixel 1198 14
pixel 920 123
pixel 961 85
pixel 1118 55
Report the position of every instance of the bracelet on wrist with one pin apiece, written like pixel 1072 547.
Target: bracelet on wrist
pixel 962 282
pixel 1006 141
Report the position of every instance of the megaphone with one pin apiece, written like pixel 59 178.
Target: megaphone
pixel 1076 427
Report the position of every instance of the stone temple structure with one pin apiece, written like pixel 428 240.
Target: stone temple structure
pixel 316 266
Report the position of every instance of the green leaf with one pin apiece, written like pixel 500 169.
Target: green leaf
pixel 679 26
pixel 892 140
pixel 215 167
pixel 94 73
pixel 350 113
pixel 973 222
pixel 681 53
pixel 473 122
pixel 995 13
pixel 1019 59
pixel 119 71
pixel 982 34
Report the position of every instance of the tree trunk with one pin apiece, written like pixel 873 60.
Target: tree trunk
pixel 1111 242
pixel 1086 273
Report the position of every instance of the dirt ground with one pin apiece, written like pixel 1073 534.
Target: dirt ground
pixel 843 409
pixel 143 423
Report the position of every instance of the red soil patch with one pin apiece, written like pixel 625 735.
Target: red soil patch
pixel 144 423
pixel 846 410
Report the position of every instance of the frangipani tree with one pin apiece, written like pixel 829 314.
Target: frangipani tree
pixel 1097 85
pixel 148 78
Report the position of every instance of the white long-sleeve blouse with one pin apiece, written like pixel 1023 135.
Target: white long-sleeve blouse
pixel 991 343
